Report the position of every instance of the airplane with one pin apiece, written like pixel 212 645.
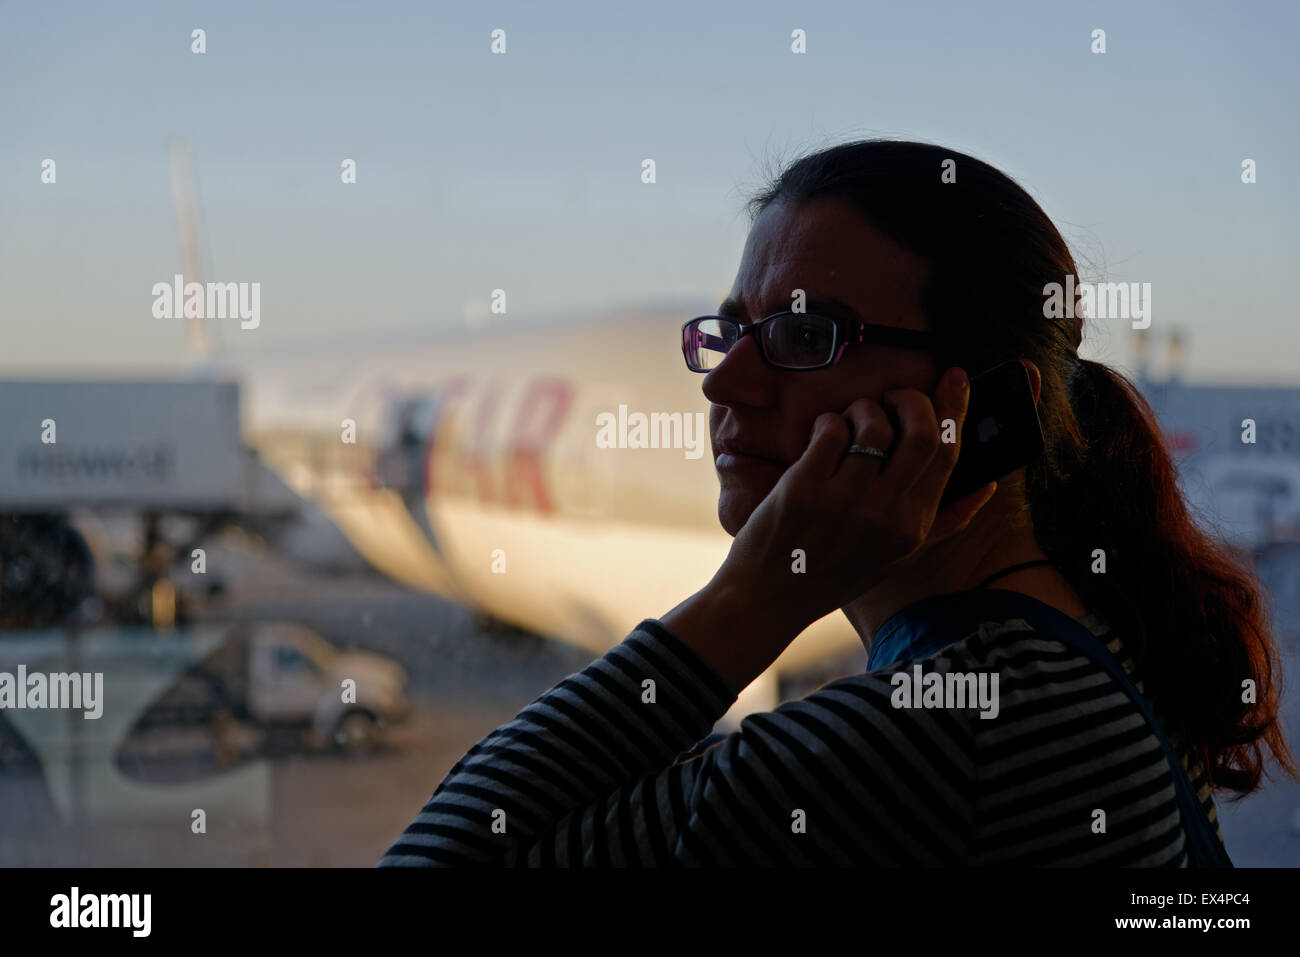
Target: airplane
pixel 477 475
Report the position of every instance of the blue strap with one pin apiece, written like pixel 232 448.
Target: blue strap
pixel 927 627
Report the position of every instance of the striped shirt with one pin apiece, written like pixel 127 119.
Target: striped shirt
pixel 600 770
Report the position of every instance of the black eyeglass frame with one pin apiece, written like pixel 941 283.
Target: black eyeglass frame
pixel 844 334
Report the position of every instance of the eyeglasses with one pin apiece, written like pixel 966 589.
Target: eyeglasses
pixel 792 340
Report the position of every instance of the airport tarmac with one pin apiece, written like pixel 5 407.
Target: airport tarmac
pixel 320 808
pixel 328 809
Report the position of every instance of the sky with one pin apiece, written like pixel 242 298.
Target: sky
pixel 522 171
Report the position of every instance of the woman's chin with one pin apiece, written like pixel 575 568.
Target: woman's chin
pixel 736 505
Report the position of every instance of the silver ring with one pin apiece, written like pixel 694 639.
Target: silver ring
pixel 856 449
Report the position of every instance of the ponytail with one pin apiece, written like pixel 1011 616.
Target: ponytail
pixel 1107 509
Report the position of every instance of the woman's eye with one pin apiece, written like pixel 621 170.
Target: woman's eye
pixel 811 335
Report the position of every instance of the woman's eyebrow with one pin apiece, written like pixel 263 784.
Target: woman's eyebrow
pixel 829 304
pixel 734 308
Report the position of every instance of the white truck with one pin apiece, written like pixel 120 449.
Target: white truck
pixel 280 675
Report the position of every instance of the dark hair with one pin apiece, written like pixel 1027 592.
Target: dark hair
pixel 1189 613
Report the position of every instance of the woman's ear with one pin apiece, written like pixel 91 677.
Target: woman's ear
pixel 1035 378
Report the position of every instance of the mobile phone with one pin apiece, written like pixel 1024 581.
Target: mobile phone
pixel 1001 432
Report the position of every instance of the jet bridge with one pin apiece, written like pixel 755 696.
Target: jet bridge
pixel 153 451
pixel 156 445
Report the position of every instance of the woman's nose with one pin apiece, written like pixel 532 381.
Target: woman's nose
pixel 741 378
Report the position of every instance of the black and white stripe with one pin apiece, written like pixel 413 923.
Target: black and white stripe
pixel 589 775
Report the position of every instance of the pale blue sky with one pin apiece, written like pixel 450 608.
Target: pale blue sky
pixel 523 171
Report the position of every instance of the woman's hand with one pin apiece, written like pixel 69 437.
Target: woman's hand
pixel 854 516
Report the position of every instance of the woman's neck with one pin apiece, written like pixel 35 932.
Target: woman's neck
pixel 997 538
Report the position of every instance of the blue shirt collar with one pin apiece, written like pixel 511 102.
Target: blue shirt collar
pixel 931 624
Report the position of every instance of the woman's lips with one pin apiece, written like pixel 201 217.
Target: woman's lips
pixel 739 460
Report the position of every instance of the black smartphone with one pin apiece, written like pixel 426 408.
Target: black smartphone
pixel 1001 433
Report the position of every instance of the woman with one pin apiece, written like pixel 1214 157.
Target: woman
pixel 832 457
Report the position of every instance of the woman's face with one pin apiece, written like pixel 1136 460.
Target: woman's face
pixel 831 252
